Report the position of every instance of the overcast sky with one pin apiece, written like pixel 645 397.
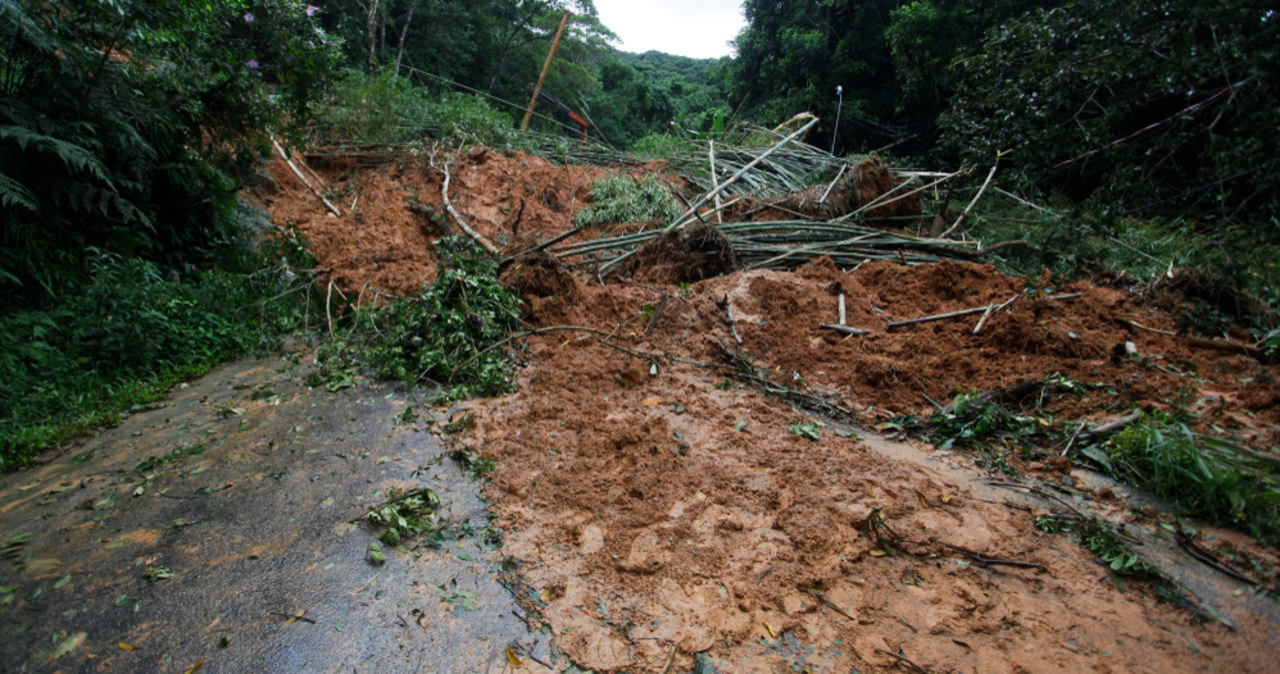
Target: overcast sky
pixel 697 28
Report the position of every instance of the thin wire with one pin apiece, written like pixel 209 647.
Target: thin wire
pixel 517 106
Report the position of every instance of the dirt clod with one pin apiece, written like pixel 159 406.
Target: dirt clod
pixel 686 255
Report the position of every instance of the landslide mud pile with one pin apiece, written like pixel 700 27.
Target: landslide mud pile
pixel 663 514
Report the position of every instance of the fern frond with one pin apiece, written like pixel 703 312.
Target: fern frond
pixel 14 193
pixel 73 156
pixel 27 29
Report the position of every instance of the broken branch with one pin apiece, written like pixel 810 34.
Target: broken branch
pixel 457 217
pixel 950 314
pixel 332 209
pixel 844 329
pixel 990 174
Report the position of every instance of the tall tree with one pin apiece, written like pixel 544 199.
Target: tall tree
pixel 1146 106
pixel 793 55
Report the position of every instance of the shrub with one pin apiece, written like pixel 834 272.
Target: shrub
pixel 1204 476
pixel 449 333
pixel 468 118
pixel 622 199
pixel 128 334
pixel 362 109
pixel 387 109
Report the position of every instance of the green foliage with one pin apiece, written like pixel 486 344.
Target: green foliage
pixel 450 332
pixel 1201 475
pixel 1159 107
pixel 1075 243
pixel 408 514
pixel 1101 540
pixel 477 466
pixel 810 431
pixel 361 109
pixel 127 126
pixel 129 334
pixel 792 56
pixel 661 146
pixel 971 420
pixel 337 366
pixel 619 199
pixel 468 118
pixel 387 109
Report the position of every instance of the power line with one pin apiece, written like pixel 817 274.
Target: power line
pixel 518 106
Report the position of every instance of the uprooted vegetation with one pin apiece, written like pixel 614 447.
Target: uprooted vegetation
pixel 678 468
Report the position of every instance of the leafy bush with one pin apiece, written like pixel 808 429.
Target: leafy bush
pixel 468 118
pixel 387 109
pixel 621 199
pixel 448 334
pixel 126 336
pixel 362 109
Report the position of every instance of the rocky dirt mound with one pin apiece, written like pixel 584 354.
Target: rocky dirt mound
pixel 686 255
pixel 657 509
pixel 662 515
pixel 393 214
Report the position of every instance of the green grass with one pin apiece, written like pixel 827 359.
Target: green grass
pixel 1201 476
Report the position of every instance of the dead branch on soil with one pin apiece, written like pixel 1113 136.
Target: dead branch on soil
pixel 1187 543
pixel 902 659
pixel 506 261
pixel 292 617
pixel 841 325
pixel 657 311
pixel 950 314
pixel 880 531
pixel 457 217
pixel 991 174
pixel 837 609
pixel 733 327
pixel 845 329
pixel 974 310
pixel 1205 343
pixel 1109 427
pixel 742 368
pixel 279 150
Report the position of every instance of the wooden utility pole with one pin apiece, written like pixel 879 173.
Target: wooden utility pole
pixel 524 123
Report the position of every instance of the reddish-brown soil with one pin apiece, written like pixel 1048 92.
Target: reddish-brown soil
pixel 661 513
pixel 381 242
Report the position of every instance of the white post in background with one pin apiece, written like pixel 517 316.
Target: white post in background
pixel 835 130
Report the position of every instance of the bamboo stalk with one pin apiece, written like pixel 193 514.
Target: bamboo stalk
pixel 990 174
pixel 711 156
pixel 736 176
pixel 833 184
pixel 950 314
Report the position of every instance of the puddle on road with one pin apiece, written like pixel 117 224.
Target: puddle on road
pixel 191 533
